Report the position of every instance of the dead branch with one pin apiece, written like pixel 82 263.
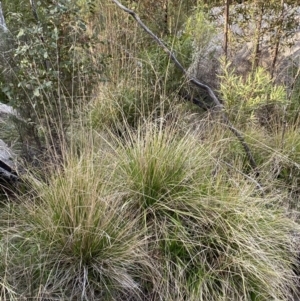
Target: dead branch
pixel 217 104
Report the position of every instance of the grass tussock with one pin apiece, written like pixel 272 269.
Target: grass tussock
pixel 147 218
pixel 212 233
pixel 151 199
pixel 76 231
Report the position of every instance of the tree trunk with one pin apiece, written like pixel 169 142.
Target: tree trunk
pixel 226 28
pixel 258 36
pixel 166 16
pixel 277 39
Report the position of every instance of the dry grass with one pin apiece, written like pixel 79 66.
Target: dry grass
pixel 149 201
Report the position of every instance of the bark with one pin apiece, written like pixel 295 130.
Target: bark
pixel 166 16
pixel 226 27
pixel 277 39
pixel 257 50
pixel 34 12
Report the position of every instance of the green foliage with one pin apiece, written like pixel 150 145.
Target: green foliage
pixel 52 71
pixel 245 98
pixel 200 29
pixel 163 17
pixel 159 70
pixel 159 211
pixel 157 166
pixel 193 39
pixel 128 106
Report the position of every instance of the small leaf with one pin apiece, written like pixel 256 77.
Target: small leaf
pixel 36 92
pixel 21 33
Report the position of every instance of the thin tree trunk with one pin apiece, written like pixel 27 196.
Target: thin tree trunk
pixel 277 39
pixel 226 28
pixel 166 16
pixel 257 50
pixel 34 12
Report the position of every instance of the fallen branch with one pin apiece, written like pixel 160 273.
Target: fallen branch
pixel 201 104
pixel 197 83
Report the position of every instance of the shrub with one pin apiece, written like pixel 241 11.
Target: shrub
pixel 51 71
pixel 254 98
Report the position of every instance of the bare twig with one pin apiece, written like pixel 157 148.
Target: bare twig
pixel 217 104
pixel 253 180
pixel 170 54
pixel 188 97
pixel 34 12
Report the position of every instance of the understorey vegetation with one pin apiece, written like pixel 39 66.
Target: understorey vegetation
pixel 160 151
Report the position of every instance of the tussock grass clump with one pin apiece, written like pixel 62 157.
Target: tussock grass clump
pixel 154 215
pixel 214 236
pixel 130 104
pixel 75 239
pixel 140 208
pixel 157 164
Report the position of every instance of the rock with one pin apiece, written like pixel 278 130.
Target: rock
pixel 8 170
pixel 8 167
pixel 7 110
pixel 2 20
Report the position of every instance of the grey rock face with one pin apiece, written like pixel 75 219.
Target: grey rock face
pixel 8 165
pixel 8 168
pixel 6 110
pixel 2 20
